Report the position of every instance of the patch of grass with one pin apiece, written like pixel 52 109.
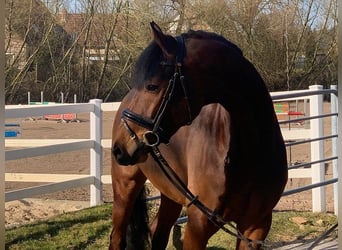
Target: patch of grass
pixel 90 229
pixel 287 227
pixel 294 226
pixel 85 229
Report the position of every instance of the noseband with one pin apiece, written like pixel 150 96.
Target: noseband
pixel 151 138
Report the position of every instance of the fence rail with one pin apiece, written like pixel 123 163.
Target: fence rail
pixel 314 136
pixel 59 146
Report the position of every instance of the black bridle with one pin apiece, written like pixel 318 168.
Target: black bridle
pixel 152 137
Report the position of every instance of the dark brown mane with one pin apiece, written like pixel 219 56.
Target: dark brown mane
pixel 200 34
pixel 148 63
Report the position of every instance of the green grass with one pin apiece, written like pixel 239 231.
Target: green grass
pixel 90 229
pixel 85 229
pixel 284 230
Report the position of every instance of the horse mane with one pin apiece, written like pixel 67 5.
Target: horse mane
pixel 200 34
pixel 148 62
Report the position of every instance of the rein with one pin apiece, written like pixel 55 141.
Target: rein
pixel 213 216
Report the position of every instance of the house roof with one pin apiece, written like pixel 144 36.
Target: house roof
pixel 20 13
pixel 100 25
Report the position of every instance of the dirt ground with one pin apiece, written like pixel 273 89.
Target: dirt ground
pixel 77 162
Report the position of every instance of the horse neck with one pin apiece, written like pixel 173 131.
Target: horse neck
pixel 217 73
pixel 248 101
pixel 254 129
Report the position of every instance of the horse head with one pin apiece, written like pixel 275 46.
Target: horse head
pixel 158 104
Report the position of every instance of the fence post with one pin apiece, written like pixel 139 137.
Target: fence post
pixel 2 128
pixel 334 109
pixel 317 150
pixel 96 153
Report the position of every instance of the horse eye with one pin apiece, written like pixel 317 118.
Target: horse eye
pixel 152 87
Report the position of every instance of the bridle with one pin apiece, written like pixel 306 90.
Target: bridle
pixel 151 139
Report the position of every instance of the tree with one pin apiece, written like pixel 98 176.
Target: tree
pixel 28 26
pixel 88 47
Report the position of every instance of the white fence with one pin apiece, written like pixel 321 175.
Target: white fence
pixel 314 135
pixel 315 169
pixel 32 148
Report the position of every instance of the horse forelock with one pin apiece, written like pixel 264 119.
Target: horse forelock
pixel 147 64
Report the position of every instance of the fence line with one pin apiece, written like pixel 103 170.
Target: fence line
pixel 334 124
pixel 96 144
pixel 317 175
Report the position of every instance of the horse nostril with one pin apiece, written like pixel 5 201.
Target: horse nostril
pixel 116 150
pixel 121 157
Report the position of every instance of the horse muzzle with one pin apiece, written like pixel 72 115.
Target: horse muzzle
pixel 129 154
pixel 135 149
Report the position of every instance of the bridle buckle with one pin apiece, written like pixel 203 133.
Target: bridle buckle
pixel 151 139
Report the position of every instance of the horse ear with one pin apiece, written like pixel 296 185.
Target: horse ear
pixel 166 43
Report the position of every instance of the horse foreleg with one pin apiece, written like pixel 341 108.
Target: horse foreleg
pixel 127 182
pixel 161 226
pixel 255 234
pixel 198 230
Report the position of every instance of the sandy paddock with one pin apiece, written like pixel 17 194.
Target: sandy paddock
pixel 77 162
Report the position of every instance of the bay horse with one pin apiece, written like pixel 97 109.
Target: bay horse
pixel 175 77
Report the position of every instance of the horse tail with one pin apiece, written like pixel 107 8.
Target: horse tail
pixel 138 229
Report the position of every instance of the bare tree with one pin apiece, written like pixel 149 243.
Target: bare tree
pixel 28 27
pixel 291 42
pixel 280 36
